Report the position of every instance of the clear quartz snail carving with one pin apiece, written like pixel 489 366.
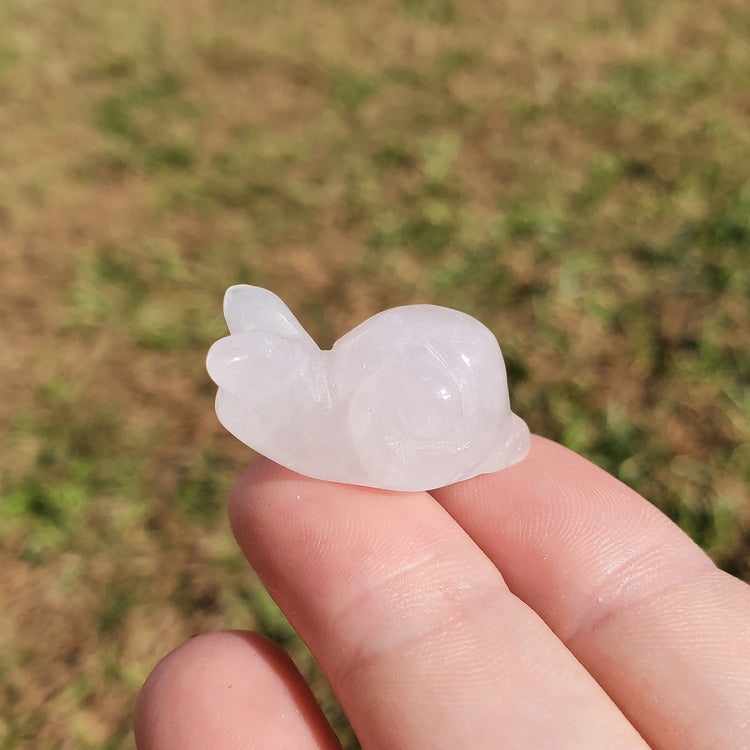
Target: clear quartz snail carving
pixel 414 398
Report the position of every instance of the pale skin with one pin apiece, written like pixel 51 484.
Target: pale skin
pixel 544 606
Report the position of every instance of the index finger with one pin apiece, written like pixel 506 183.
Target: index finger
pixel 639 604
pixel 412 624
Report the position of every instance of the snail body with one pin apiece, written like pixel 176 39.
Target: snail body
pixel 414 398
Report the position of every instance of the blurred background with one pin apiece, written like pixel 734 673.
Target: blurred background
pixel 576 175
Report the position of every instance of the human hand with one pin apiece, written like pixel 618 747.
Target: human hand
pixel 544 606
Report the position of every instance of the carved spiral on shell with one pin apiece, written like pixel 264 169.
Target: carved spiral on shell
pixel 415 401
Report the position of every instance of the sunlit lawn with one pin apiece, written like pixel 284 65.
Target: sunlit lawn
pixel 574 175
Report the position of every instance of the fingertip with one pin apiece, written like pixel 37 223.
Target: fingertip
pixel 245 495
pixel 240 492
pixel 225 690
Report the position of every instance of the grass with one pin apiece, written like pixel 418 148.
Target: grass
pixel 575 177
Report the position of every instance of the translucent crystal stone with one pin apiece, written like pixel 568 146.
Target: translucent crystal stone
pixel 412 399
